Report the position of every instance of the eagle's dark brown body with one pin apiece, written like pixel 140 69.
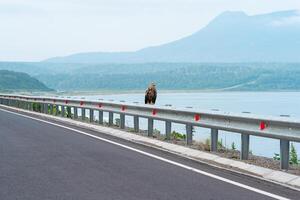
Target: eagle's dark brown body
pixel 150 95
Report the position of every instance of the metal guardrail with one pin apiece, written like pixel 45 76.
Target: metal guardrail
pixel 282 128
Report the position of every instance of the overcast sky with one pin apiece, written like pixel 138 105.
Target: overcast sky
pixel 33 30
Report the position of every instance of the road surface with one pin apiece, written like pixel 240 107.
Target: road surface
pixel 42 161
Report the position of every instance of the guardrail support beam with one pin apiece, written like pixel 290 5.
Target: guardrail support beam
pixel 100 117
pixel 51 109
pixel 284 154
pixel 110 118
pixel 168 129
pixel 189 134
pixel 136 123
pixel 122 121
pixel 91 115
pixel 245 140
pixel 56 110
pixel 83 114
pixel 46 108
pixel 69 112
pixel 214 140
pixel 150 127
pixel 75 109
pixel 62 111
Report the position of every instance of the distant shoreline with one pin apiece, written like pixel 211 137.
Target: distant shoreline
pixel 115 92
pixel 112 92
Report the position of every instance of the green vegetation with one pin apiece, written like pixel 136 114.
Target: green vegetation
pixel 276 156
pixel 168 76
pixel 233 146
pixel 293 156
pixel 16 81
pixel 177 136
pixel 220 144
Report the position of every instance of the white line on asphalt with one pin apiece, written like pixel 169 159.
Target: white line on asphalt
pixel 159 158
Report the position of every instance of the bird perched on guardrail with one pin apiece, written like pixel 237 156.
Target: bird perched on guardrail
pixel 151 94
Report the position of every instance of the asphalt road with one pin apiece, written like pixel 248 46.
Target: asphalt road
pixel 42 161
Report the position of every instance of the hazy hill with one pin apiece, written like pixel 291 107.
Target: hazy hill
pixel 12 81
pixel 168 76
pixel 230 37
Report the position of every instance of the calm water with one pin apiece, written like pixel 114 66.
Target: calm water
pixel 265 103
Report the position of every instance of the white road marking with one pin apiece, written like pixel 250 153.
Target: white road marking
pixel 159 158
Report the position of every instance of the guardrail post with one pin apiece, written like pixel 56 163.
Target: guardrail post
pixel 30 106
pixel 110 118
pixel 150 127
pixel 57 110
pixel 75 112
pixel 136 123
pixel 189 134
pixel 122 121
pixel 40 107
pixel 168 129
pixel 91 115
pixel 284 154
pixel 83 114
pixel 69 113
pixel 244 146
pixel 100 117
pixel 51 109
pixel 62 111
pixel 214 140
pixel 45 108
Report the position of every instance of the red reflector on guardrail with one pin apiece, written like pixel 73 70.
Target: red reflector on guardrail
pixel 197 117
pixel 123 108
pixel 100 105
pixel 262 125
pixel 81 103
pixel 66 101
pixel 154 112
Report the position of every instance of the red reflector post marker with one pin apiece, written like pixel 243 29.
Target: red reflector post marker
pixel 197 117
pixel 154 112
pixel 262 125
pixel 81 103
pixel 100 105
pixel 123 108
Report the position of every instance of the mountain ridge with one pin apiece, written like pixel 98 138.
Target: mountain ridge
pixel 232 36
